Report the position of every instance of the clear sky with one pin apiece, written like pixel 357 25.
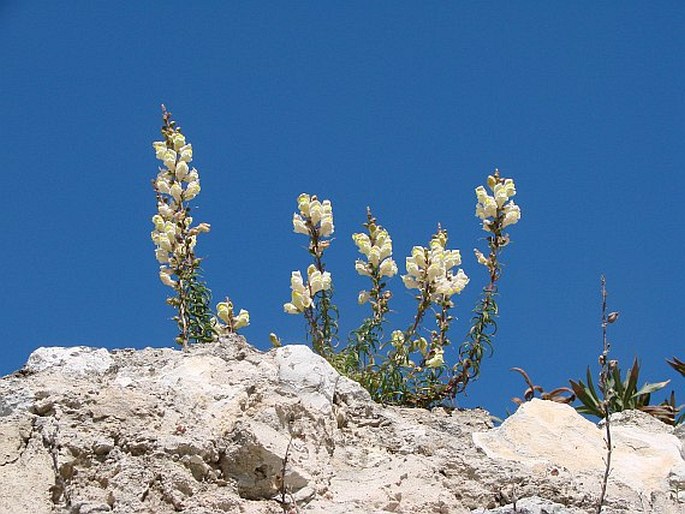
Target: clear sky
pixel 403 106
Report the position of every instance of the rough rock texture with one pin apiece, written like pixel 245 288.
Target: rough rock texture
pixel 225 428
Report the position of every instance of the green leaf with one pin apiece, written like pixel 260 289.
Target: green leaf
pixel 650 388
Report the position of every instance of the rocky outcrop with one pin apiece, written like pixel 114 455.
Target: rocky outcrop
pixel 225 428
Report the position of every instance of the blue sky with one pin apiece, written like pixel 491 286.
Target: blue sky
pixel 403 106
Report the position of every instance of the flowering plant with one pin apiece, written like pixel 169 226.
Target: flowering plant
pixel 175 238
pixel 496 212
pixel 313 299
pixel 408 368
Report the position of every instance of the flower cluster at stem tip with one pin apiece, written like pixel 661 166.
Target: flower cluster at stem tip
pixel 488 206
pixel 301 295
pixel 430 269
pixel 496 211
pixel 377 248
pixel 176 183
pixel 314 216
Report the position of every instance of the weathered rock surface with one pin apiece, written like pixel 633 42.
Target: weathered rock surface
pixel 226 428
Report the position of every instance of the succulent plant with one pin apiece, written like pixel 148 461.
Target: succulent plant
pixel 625 395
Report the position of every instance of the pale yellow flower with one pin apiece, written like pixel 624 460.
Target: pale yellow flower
pixel 163 185
pixel 388 268
pixel 363 243
pixel 182 170
pixel 160 149
pixel 303 204
pixel 164 210
pixel 191 191
pixel 178 140
pixel 162 255
pixel 170 159
pixel 437 360
pixel 512 214
pixel 363 297
pixel 397 338
pixel 299 226
pixel 176 191
pixel 242 319
pixel 326 226
pixel 165 277
pixel 185 153
pixel 361 268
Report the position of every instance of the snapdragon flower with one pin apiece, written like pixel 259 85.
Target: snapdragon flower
pixel 430 270
pixel 437 359
pixel 497 208
pixel 233 322
pixel 302 294
pixel 315 217
pixel 377 248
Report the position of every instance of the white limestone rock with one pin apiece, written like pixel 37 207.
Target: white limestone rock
pixel 226 428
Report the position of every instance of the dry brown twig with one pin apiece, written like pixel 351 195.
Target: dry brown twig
pixel 556 395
